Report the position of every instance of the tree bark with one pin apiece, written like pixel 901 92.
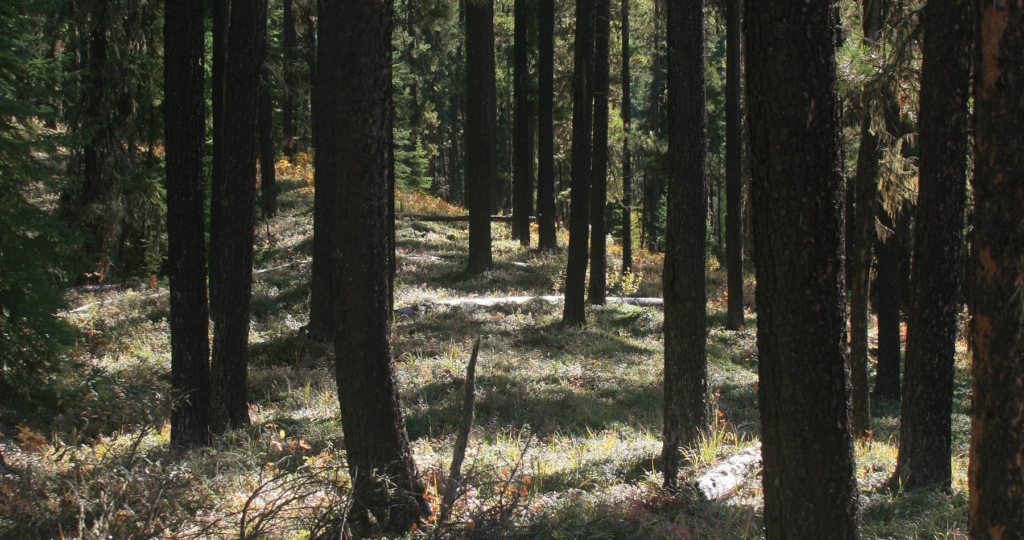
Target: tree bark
pixel 545 129
pixel 522 197
pixel 288 99
pixel 321 299
pixel 810 488
pixel 683 283
pixel 996 472
pixel 236 201
pixel 599 164
pixel 480 129
pixel 925 420
pixel 220 12
pixel 887 369
pixel 860 277
pixel 268 183
pixel 185 138
pixel 574 313
pixel 733 167
pixel 627 173
pixel 354 150
pixel 652 180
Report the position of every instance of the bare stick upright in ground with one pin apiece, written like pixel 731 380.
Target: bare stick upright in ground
pixel 462 439
pixel 810 487
pixel 996 473
pixel 354 106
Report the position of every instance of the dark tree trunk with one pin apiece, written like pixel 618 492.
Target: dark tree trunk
pixel 627 174
pixel 185 137
pixel 733 167
pixel 288 99
pixel 599 163
pixel 268 183
pixel 481 135
pixel 321 299
pixel 232 240
pixel 311 63
pixel 221 10
pixel 860 277
pixel 354 150
pixel 545 129
pixel 887 282
pixel 652 181
pixel 522 196
pixel 810 486
pixel 453 153
pixel 850 230
pixel 685 238
pixel 925 420
pixel 996 472
pixel 575 313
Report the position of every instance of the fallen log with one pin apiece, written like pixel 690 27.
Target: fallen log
pixel 724 479
pixel 451 219
pixel 551 299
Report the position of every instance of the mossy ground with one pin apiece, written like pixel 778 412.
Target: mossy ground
pixel 566 442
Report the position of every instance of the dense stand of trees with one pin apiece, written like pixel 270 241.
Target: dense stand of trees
pixel 382 97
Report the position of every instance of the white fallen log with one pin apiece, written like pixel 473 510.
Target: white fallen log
pixel 724 479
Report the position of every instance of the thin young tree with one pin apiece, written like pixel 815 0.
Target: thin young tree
pixel 574 313
pixel 480 129
pixel 810 487
pixel 289 44
pixel 354 149
pixel 235 202
pixel 599 163
pixel 683 283
pixel 996 472
pixel 925 451
pixel 627 174
pixel 522 198
pixel 268 181
pixel 185 138
pixel 733 166
pixel 545 127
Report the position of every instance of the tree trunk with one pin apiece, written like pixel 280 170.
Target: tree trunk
pixel 810 487
pixel 574 313
pixel 652 181
pixel 455 195
pixel 221 10
pixel 860 277
pixel 686 380
pixel 185 138
pixel 599 164
pixel 887 372
pixel 733 168
pixel 321 291
pixel 232 240
pixel 996 472
pixel 288 99
pixel 268 183
pixel 480 129
pixel 627 174
pixel 925 420
pixel 355 109
pixel 522 195
pixel 545 129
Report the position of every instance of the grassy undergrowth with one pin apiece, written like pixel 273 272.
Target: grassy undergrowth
pixel 567 436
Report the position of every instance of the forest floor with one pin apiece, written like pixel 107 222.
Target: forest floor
pixel 566 442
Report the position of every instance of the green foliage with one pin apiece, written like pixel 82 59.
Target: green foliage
pixel 33 244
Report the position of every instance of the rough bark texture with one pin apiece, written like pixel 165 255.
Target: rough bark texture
pixel 354 148
pixel 185 137
pixel 925 427
pixel 232 239
pixel 810 488
pixel 733 167
pixel 686 378
pixel 220 11
pixel 545 128
pixel 627 173
pixel 860 277
pixel 582 122
pixel 480 129
pixel 321 300
pixel 599 163
pixel 268 182
pixel 996 471
pixel 889 299
pixel 288 99
pixel 522 198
